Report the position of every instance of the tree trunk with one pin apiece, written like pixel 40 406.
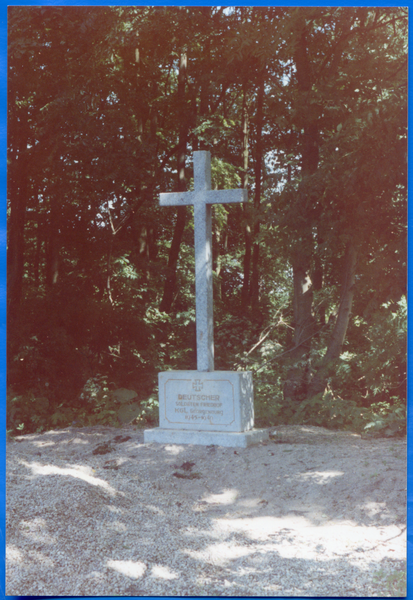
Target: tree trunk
pixel 298 377
pixel 18 190
pixel 245 207
pixel 220 248
pixel 205 82
pixel 216 267
pixel 295 387
pixel 52 246
pixel 36 262
pixel 317 278
pixel 170 281
pixel 254 291
pixel 336 342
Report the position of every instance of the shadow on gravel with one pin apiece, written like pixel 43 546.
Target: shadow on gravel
pixel 291 518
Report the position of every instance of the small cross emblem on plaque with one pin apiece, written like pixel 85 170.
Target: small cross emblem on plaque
pixel 197 385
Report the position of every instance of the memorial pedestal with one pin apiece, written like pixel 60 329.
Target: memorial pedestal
pixel 205 406
pixel 198 407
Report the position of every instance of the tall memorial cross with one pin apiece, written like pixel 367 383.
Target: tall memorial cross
pixel 205 406
pixel 202 199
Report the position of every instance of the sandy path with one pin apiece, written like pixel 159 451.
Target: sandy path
pixel 94 511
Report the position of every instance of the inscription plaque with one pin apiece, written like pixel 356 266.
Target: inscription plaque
pixel 213 404
pixel 217 401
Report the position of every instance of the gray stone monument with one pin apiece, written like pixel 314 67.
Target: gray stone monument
pixel 205 406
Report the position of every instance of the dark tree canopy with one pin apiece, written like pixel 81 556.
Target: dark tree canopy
pixel 307 109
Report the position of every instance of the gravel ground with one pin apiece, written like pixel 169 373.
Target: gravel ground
pixel 96 512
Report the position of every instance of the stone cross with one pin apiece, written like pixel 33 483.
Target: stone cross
pixel 202 198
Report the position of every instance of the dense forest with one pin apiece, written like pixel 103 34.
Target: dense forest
pixel 306 108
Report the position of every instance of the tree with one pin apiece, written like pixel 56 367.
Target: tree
pixel 354 42
pixel 106 106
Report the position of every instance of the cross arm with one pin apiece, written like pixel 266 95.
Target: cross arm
pixel 177 199
pixel 204 197
pixel 225 196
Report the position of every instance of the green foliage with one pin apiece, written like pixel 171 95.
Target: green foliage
pixel 94 119
pixel 27 413
pixel 331 411
pixel 384 363
pixel 98 402
pixel 387 418
pixel 328 410
pixel 392 584
pixel 149 414
pixel 102 404
pixel 268 402
pixel 373 369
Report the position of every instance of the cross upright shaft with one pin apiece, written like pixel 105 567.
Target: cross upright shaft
pixel 202 198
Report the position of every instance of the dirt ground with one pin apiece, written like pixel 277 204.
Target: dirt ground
pixel 311 512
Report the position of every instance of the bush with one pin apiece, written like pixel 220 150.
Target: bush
pixel 103 403
pixel 27 413
pixel 387 418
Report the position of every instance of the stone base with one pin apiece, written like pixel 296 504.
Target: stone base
pixel 206 401
pixel 206 438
